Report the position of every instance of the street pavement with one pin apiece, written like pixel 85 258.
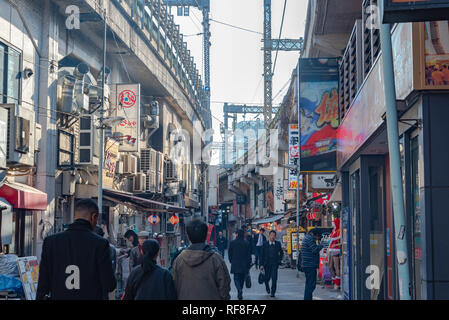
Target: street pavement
pixel 289 287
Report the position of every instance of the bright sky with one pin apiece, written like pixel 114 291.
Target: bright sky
pixel 236 61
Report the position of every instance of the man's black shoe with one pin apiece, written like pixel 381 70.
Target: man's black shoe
pixel 272 295
pixel 240 296
pixel 268 290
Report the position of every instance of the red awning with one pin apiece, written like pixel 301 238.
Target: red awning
pixel 22 196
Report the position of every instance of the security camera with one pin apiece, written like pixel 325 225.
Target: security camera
pixel 27 73
pixel 112 121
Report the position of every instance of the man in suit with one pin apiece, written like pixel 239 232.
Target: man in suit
pixel 270 260
pixel 240 257
pixel 76 264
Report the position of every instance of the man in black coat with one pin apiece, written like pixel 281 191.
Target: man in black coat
pixel 240 258
pixel 222 243
pixel 76 264
pixel 270 260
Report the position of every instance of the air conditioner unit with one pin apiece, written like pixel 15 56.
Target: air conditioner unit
pixel 148 159
pixel 171 171
pixel 139 182
pixel 129 164
pixel 151 182
pixel 20 140
pixel 119 166
pixel 89 142
pixel 68 183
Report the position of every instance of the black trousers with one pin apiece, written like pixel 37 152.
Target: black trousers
pixel 257 253
pixel 239 281
pixel 310 282
pixel 271 272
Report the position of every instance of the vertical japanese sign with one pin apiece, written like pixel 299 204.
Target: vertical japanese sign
pixel 128 106
pixel 278 191
pixel 293 155
pixel 319 114
pixel 110 162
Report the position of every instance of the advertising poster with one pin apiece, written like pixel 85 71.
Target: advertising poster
pixel 128 106
pixel 436 53
pixel 110 162
pixel 278 186
pixel 28 268
pixel 319 114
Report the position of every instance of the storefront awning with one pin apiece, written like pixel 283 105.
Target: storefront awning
pixel 268 220
pixel 22 196
pixel 139 202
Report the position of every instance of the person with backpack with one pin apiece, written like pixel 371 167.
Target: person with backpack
pixel 149 281
pixel 199 272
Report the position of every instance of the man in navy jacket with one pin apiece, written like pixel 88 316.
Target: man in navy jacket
pixel 310 256
pixel 76 264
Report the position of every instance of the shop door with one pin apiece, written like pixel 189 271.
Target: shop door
pixel 377 259
pixel 354 200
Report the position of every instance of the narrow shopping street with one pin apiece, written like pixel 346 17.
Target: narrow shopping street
pixel 288 287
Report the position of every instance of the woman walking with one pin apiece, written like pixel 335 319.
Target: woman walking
pixel 150 281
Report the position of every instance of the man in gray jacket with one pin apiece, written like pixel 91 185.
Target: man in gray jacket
pixel 199 272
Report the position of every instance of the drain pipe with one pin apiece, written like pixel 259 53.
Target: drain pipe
pixel 395 161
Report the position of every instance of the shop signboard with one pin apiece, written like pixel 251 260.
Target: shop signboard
pixel 292 238
pixel 289 194
pixel 364 116
pixel 415 10
pixel 293 154
pixel 318 103
pixel 127 105
pixel 278 191
pixel 110 162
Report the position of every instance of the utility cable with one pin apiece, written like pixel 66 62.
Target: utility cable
pixel 280 33
pixel 234 26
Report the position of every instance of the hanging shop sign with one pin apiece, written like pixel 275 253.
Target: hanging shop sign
pixel 154 219
pixel 293 155
pixel 320 182
pixel 127 105
pixel 278 190
pixel 110 162
pixel 318 103
pixel 174 220
pixel 415 10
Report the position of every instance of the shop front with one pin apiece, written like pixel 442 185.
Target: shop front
pixel 25 202
pixel 363 160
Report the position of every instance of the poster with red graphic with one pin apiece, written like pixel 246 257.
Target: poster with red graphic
pixel 319 114
pixel 128 106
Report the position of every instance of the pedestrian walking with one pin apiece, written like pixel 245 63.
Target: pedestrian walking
pixel 240 258
pixel 112 255
pixel 261 239
pixel 149 281
pixel 222 243
pixel 199 272
pixel 76 264
pixel 271 258
pixel 310 261
pixel 131 238
pixel 136 254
